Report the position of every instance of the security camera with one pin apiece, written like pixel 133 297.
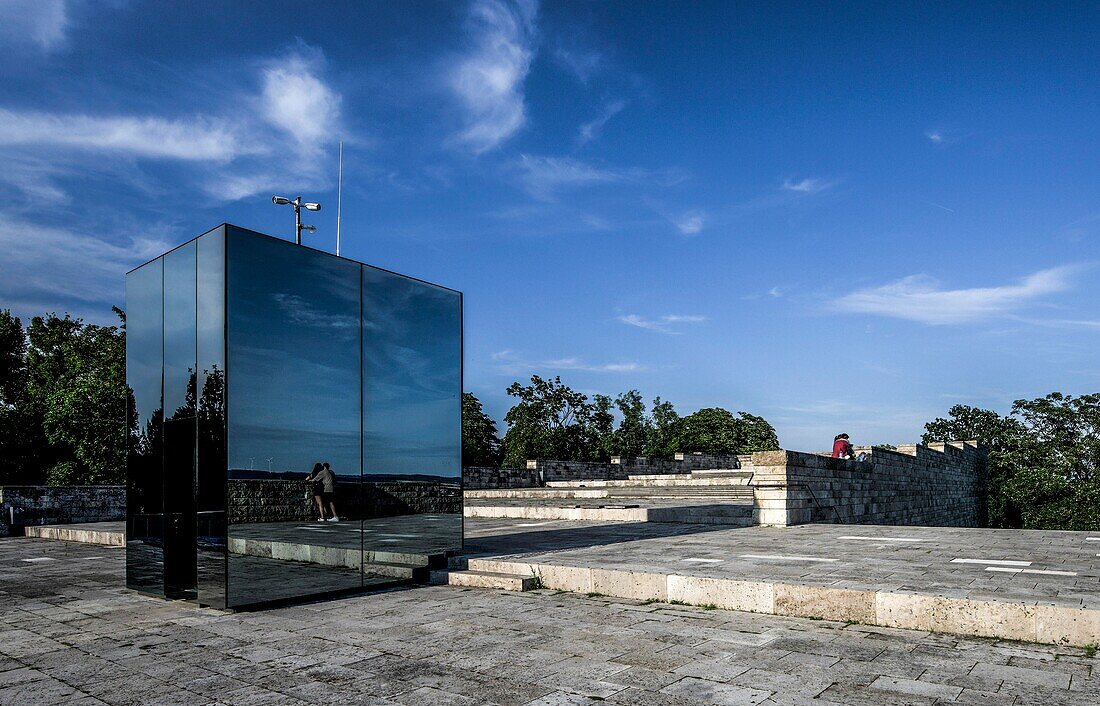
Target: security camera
pixel 279 200
pixel 312 206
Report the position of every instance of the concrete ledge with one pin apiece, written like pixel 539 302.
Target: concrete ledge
pixel 485 579
pixel 1004 620
pixel 737 514
pixel 88 534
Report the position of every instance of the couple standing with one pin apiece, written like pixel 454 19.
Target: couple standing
pixel 324 490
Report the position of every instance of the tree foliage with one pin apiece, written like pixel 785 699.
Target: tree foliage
pixel 1044 459
pixel 553 421
pixel 480 444
pixel 717 431
pixel 63 388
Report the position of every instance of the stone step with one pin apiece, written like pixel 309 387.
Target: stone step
pixel 728 491
pixel 731 478
pixel 395 570
pixel 486 579
pixel 554 492
pixel 722 473
pixel 110 534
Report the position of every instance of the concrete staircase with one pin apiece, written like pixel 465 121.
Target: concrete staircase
pixel 720 496
pixel 468 578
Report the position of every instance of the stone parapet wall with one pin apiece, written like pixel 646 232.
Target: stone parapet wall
pixel 291 500
pixel 937 485
pixel 28 505
pixel 487 477
pixel 622 467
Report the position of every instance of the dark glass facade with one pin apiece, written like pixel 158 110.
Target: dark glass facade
pixel 250 360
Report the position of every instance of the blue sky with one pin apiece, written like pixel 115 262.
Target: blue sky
pixel 844 218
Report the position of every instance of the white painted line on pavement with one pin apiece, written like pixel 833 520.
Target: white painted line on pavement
pixel 995 562
pixel 1092 539
pixel 882 539
pixel 534 524
pixel 41 558
pixel 778 557
pixel 696 560
pixel 1044 572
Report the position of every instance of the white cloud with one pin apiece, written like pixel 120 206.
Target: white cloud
pixel 297 101
pixel 689 222
pixel 662 324
pixel 510 363
pixel 197 139
pixel 807 186
pixel 41 22
pixel 542 176
pixel 582 63
pixel 488 80
pixel 591 129
pixel 47 268
pixel 935 136
pixel 921 298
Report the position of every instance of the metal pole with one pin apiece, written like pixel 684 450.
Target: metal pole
pixel 339 196
pixel 298 220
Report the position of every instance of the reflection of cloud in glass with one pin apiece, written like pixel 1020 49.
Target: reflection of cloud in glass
pixel 412 348
pixel 293 357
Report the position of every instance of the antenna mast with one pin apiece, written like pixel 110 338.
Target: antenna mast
pixel 339 196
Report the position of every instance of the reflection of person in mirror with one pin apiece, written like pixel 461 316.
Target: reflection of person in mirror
pixel 324 491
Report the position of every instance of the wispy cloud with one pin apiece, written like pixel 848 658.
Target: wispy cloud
pixel 488 80
pixel 195 139
pixel 296 100
pixel 592 129
pixel 581 63
pixel 808 186
pixel 43 23
pixel 47 268
pixel 922 298
pixel 689 222
pixel 543 176
pixel 299 115
pixel 510 363
pixel 666 324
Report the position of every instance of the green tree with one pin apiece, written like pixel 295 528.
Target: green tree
pixel 550 420
pixel 1044 459
pixel 480 444
pixel 601 429
pixel 663 428
pixel 717 431
pixel 21 436
pixel 633 433
pixel 76 385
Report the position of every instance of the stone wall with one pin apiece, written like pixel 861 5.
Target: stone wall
pixel 935 485
pixel 23 505
pixel 487 477
pixel 622 467
pixel 292 500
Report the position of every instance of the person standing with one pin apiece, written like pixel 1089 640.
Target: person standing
pixel 328 490
pixel 314 477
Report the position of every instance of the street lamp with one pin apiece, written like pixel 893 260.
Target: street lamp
pixel 298 206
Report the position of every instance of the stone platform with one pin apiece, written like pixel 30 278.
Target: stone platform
pixel 70 634
pixel 111 534
pixel 1022 585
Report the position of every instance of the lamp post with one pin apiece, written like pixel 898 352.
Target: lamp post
pixel 298 206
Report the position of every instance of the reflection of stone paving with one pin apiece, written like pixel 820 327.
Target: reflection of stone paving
pixel 69 633
pixel 256 579
pixel 392 546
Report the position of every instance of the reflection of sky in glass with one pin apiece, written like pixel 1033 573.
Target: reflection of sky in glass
pixel 179 328
pixel 412 347
pixel 293 325
pixel 143 338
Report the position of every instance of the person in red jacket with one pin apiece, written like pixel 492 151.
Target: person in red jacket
pixel 841 447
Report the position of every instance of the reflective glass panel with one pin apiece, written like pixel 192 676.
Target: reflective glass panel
pixel 293 401
pixel 210 472
pixel 412 436
pixel 145 417
pixel 180 404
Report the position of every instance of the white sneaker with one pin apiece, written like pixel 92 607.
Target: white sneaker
pixel 321 519
pixel 333 519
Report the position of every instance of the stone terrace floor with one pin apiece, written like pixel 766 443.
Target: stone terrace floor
pixel 983 564
pixel 70 634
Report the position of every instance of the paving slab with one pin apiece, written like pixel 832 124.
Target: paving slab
pixel 442 644
pixel 926 578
